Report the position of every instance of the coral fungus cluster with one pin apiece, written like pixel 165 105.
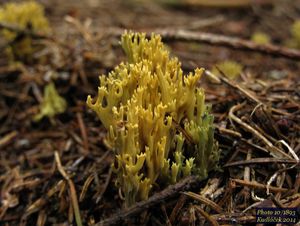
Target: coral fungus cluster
pixel 24 15
pixel 156 118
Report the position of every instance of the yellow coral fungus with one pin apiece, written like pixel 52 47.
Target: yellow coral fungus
pixel 156 119
pixel 30 15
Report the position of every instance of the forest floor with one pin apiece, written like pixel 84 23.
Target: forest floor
pixel 57 172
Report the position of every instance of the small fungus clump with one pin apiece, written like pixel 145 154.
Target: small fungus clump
pixel 26 15
pixel 157 121
pixel 260 38
pixel 52 104
pixel 230 68
pixel 295 30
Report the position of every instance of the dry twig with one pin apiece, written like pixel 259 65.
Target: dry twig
pixel 83 133
pixel 236 43
pixel 274 151
pixel 220 40
pixel 257 185
pixel 260 161
pixel 211 220
pixel 8 138
pixel 169 192
pixel 205 201
pixel 72 189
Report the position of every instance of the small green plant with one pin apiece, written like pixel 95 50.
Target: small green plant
pixel 230 68
pixel 25 15
pixel 157 121
pixel 260 38
pixel 52 104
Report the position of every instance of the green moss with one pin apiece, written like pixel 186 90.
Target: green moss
pixel 156 118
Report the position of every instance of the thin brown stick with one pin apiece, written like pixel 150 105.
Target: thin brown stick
pixel 254 145
pixel 236 43
pixel 180 203
pixel 244 91
pixel 139 207
pixel 72 189
pixel 85 187
pixel 211 220
pixel 220 40
pixel 83 133
pixel 294 204
pixel 205 201
pixel 42 216
pixel 245 192
pixel 247 168
pixel 41 202
pixel 260 161
pixel 257 185
pixel 8 138
pixel 229 131
pixel 103 190
pixel 274 151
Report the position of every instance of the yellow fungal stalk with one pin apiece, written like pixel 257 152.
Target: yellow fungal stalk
pixel 157 122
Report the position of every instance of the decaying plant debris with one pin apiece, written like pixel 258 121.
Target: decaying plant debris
pixel 57 172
